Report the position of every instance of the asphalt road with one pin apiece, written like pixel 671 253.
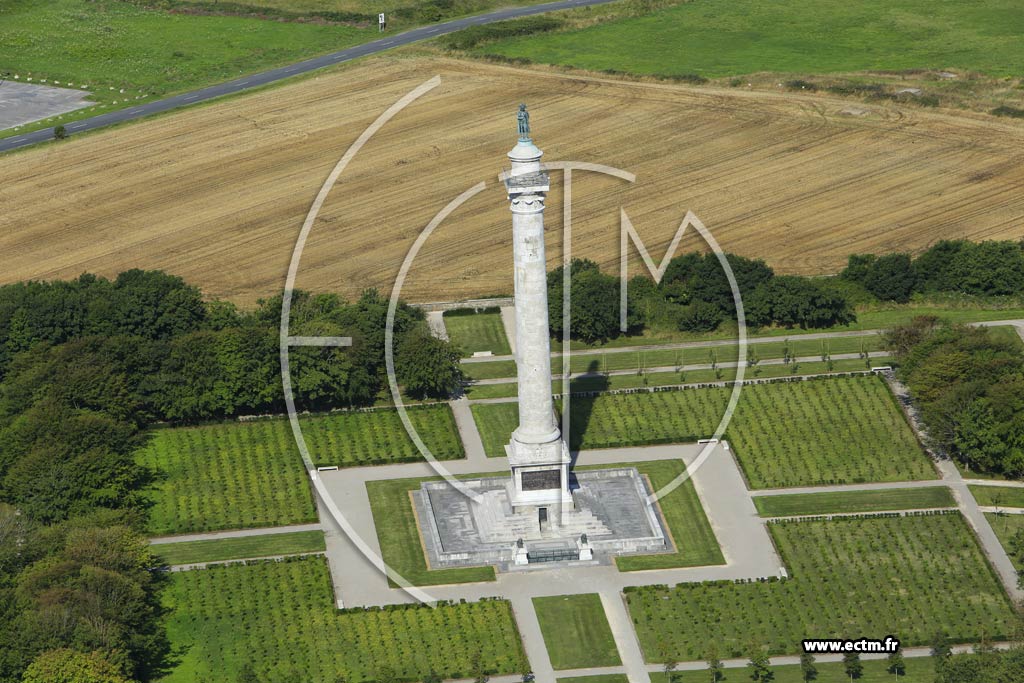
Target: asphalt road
pixel 387 42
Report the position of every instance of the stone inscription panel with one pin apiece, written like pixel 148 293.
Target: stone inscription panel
pixel 542 479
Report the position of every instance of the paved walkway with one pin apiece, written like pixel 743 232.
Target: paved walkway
pixel 468 432
pixel 235 533
pixel 745 543
pixel 435 321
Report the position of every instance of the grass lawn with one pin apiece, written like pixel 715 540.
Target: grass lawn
pixel 854 501
pixel 628 360
pixel 600 678
pixel 802 433
pixel 576 631
pixel 1001 496
pixel 190 552
pixel 695 541
pixel 1006 527
pixel 1006 333
pixel 715 38
pixel 399 536
pixel 474 332
pixel 918 670
pixel 280 617
pixel 495 422
pixel 905 576
pixel 249 474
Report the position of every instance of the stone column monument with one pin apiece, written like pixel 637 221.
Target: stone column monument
pixel 537 455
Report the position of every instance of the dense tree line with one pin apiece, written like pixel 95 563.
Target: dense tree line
pixel 985 665
pixel 975 268
pixel 969 387
pixel 694 295
pixel 85 367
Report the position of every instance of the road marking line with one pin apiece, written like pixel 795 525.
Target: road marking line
pixel 387 42
pixel 16 139
pixel 243 82
pixel 191 97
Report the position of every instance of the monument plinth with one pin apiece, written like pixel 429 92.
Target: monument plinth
pixel 537 454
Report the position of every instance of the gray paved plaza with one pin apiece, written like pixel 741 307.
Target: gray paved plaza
pixel 22 103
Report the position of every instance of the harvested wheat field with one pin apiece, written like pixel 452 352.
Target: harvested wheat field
pixel 218 194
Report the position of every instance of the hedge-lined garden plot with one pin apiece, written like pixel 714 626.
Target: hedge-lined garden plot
pixel 250 474
pixel 477 331
pixel 1006 528
pixel 799 433
pixel 853 576
pixel 279 617
pixel 854 501
pixel 226 476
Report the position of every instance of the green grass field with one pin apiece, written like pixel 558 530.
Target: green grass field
pixel 115 44
pixel 399 537
pixel 854 501
pixel 576 631
pixel 715 38
pixel 600 678
pixel 279 616
pixel 803 433
pixel 906 576
pixel 474 332
pixel 1006 527
pixel 695 541
pixel 249 474
pixel 495 422
pixel 657 379
pixel 998 496
pixel 191 552
pixel 918 670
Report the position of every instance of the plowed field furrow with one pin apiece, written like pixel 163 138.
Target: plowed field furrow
pixel 218 194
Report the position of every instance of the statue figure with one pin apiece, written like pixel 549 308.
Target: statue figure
pixel 524 122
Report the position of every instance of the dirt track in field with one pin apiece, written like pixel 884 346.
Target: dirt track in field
pixel 218 194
